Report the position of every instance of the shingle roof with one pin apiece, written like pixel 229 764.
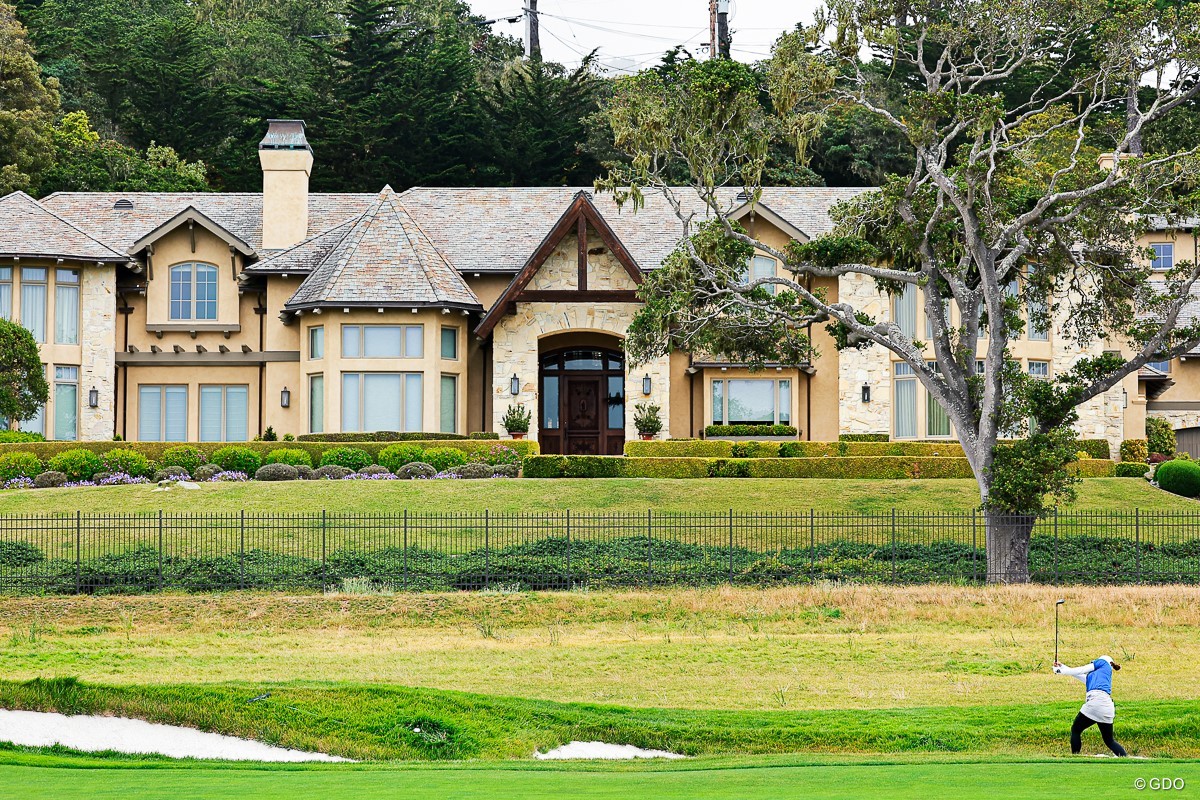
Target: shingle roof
pixel 240 214
pixel 385 259
pixel 300 259
pixel 28 229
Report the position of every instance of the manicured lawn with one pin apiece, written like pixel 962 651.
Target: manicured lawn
pixel 699 781
pixel 597 494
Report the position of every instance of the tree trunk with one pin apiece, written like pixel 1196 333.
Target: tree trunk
pixel 1131 115
pixel 1008 547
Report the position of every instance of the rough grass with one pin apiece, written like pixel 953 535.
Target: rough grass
pixel 594 494
pixel 789 649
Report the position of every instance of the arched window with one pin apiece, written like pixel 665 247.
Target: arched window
pixel 193 291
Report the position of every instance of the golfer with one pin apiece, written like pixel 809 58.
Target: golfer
pixel 1098 706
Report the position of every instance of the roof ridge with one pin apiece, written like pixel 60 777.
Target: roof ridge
pixel 67 222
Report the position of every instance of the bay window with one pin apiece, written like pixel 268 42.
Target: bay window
pixel 316 403
pixel 904 310
pixel 383 341
pixel 382 401
pixel 904 403
pixel 448 408
pixel 66 306
pixel 33 301
pixel 6 296
pixel 316 342
pixel 752 401
pixel 66 403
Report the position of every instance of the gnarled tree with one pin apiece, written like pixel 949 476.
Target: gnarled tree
pixel 1023 208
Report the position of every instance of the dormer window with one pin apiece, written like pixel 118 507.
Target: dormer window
pixel 194 292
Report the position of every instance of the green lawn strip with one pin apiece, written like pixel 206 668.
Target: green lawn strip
pixel 372 722
pixel 1013 781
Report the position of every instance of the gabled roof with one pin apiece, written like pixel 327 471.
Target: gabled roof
pixel 579 214
pixel 300 259
pixel 192 215
pixel 28 230
pixel 385 259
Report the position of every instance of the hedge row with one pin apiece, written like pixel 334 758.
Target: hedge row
pixel 154 450
pixel 699 448
pixel 858 467
pixel 558 563
pixel 751 430
pixel 393 436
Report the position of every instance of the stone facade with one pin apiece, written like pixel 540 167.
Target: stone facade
pixel 516 347
pixel 604 270
pixel 871 367
pixel 98 337
pixel 561 270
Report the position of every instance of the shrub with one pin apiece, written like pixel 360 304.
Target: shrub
pixel 475 471
pixel 352 458
pixel 237 459
pixel 20 437
pixel 173 474
pixel 50 479
pixel 864 437
pixel 395 456
pixel 1095 448
pixel 516 419
pixel 1131 469
pixel 507 470
pixel 19 465
pixel 288 455
pixel 231 476
pixel 445 458
pixel 728 469
pixel 77 464
pixel 330 472
pixel 484 435
pixel 498 454
pixel 1157 458
pixel 1179 477
pixel 289 437
pixel 184 455
pixel 750 430
pixel 416 470
pixel 647 418
pixel 304 473
pixel 205 472
pixel 128 461
pixel 1160 438
pixel 277 471
pixel 269 435
pixel 374 469
pixel 1134 450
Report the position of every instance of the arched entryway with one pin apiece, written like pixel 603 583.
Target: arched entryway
pixel 581 400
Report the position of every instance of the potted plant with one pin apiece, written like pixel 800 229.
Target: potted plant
pixel 648 420
pixel 516 421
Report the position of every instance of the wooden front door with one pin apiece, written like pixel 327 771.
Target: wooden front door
pixel 582 399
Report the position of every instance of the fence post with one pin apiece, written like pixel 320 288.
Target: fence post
pixel 487 555
pixel 569 586
pixel 242 551
pixel 160 549
pixel 812 543
pixel 78 545
pixel 1137 541
pixel 406 548
pixel 893 544
pixel 649 550
pixel 731 547
pixel 974 545
pixel 324 568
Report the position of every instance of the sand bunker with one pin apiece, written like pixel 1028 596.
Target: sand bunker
pixel 602 750
pixel 40 729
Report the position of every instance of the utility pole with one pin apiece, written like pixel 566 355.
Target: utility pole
pixel 723 40
pixel 533 42
pixel 712 29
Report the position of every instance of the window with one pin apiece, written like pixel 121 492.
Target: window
pixel 6 283
pixel 937 421
pixel 66 403
pixel 316 403
pixel 450 343
pixel 316 342
pixel 549 402
pixel 66 306
pixel 33 301
pixel 449 404
pixel 761 267
pixel 752 402
pixel 904 310
pixel 382 341
pixel 162 413
pixel 616 402
pixel 193 291
pixel 1164 256
pixel 224 413
pixel 904 389
pixel 381 401
pixel 1039 369
pixel 37 424
pixel 1161 366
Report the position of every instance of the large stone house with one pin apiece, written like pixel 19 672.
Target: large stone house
pixel 209 317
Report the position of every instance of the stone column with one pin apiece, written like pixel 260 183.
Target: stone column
pixel 515 352
pixel 98 343
pixel 659 371
pixel 872 366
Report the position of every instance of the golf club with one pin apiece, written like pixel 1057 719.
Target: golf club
pixel 1057 603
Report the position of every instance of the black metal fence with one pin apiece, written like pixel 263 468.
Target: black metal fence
pixel 132 553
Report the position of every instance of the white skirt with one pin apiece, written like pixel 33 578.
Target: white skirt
pixel 1099 707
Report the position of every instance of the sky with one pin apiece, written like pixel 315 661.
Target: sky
pixel 633 34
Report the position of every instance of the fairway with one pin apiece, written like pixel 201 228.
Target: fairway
pixel 697 781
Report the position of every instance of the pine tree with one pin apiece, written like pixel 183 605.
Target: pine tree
pixel 28 106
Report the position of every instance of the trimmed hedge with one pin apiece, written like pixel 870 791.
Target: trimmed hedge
pixel 863 437
pixel 1095 448
pixel 855 467
pixel 723 449
pixel 292 456
pixel 1179 477
pixel 1131 469
pixel 750 430
pixel 7 435
pixel 394 436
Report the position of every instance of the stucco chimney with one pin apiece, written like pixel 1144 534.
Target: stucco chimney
pixel 287 162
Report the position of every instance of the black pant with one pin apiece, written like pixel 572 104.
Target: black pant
pixel 1082 723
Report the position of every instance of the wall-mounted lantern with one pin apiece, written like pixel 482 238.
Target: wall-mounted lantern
pixel 94 398
pixel 1124 398
pixel 866 393
pixel 285 398
pixel 514 385
pixel 646 384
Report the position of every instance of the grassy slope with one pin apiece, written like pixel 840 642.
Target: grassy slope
pixel 1012 781
pixel 610 494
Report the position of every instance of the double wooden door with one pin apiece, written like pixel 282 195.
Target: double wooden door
pixel 582 401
